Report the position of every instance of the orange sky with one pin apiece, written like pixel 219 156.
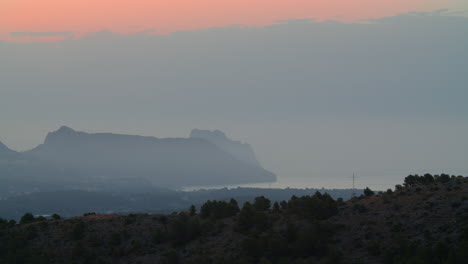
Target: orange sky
pixel 165 16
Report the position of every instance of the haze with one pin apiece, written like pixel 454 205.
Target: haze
pixel 316 100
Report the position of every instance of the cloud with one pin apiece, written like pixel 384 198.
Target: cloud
pixel 40 34
pixel 297 21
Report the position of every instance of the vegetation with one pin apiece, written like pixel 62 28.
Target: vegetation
pixel 391 227
pixel 219 209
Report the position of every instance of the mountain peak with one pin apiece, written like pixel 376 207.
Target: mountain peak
pixel 61 135
pixel 239 150
pixel 4 148
pixel 65 130
pixel 213 134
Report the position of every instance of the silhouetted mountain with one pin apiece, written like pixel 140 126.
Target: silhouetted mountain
pixel 4 148
pixel 164 162
pixel 6 153
pixel 239 150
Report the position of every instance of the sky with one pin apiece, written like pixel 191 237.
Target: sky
pixel 25 20
pixel 318 100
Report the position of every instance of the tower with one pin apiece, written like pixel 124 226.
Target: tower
pixel 354 189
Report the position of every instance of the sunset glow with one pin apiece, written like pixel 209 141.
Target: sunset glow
pixel 162 16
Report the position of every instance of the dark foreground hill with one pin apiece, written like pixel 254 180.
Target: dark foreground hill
pixel 424 222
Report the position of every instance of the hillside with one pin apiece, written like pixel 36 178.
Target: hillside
pixel 424 221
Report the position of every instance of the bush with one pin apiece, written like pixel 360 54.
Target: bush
pixel 56 217
pixel 284 205
pixel 360 208
pixel 88 214
pixel 276 207
pixel 78 230
pixel 368 192
pixel 192 210
pixel 184 229
pixel 4 224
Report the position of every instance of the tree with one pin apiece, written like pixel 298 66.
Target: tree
pixel 163 220
pixel 261 203
pixel 89 214
pixel 284 205
pixel 246 217
pixel 368 192
pixel 56 217
pixel 27 218
pixel 318 206
pixel 443 178
pixel 219 209
pixel 4 224
pixel 276 207
pixel 428 178
pixel 192 210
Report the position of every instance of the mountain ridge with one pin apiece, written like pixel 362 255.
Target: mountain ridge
pixel 166 161
pixel 241 151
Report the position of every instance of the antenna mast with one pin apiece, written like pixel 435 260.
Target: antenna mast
pixel 354 189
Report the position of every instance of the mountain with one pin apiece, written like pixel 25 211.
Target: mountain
pixel 21 174
pixel 6 153
pixel 163 162
pixel 239 150
pixel 4 148
pixel 422 223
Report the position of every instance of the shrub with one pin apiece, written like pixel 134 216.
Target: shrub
pixel 359 208
pixel 88 214
pixel 368 192
pixel 284 205
pixel 276 207
pixel 192 210
pixel 78 230
pixel 184 229
pixel 56 217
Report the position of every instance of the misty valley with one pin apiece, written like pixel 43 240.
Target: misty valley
pixel 75 172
